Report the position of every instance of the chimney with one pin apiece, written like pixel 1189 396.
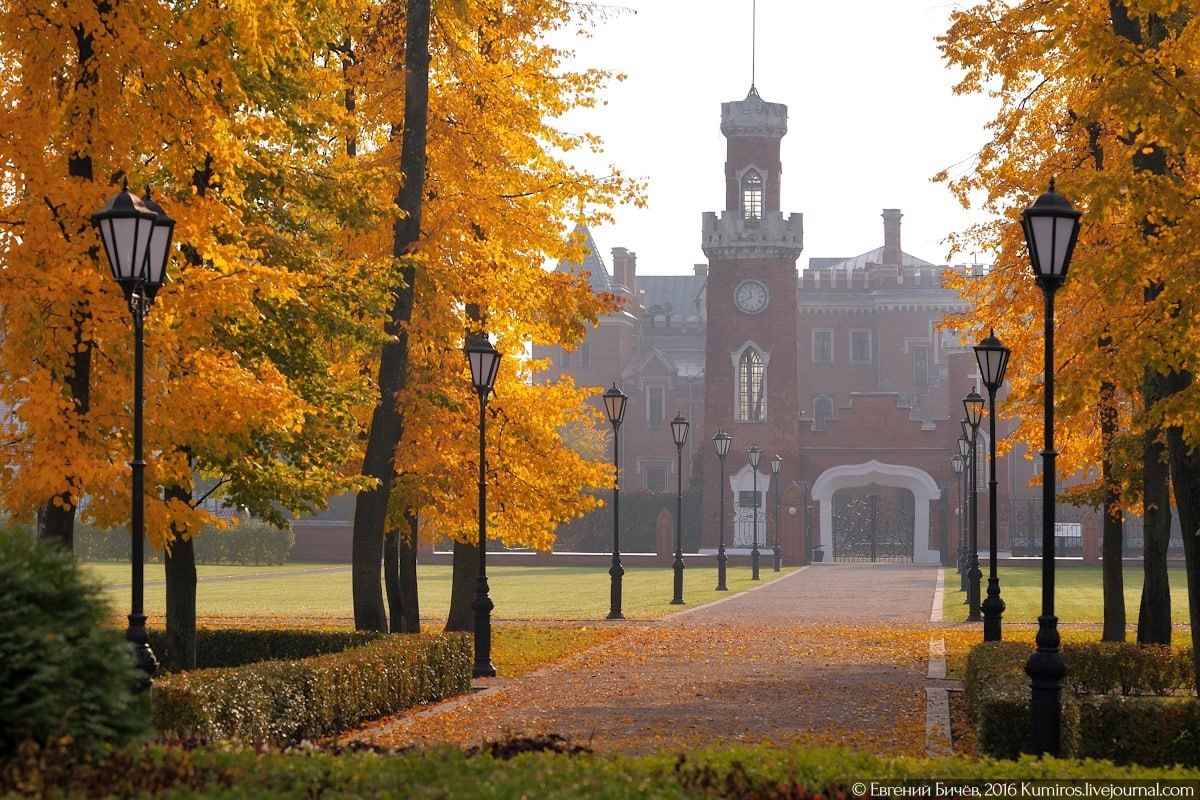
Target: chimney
pixel 891 237
pixel 625 269
pixel 700 270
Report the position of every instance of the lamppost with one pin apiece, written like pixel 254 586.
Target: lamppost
pixel 679 432
pixel 993 361
pixel 956 462
pixel 485 361
pixel 1051 228
pixel 721 442
pixel 776 465
pixel 137 241
pixel 973 403
pixel 964 550
pixel 754 454
pixel 614 405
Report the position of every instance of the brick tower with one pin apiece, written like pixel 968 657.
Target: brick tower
pixel 751 359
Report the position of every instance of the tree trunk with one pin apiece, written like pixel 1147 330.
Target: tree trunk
pixel 462 587
pixel 387 424
pixel 1112 570
pixel 1154 616
pixel 1185 467
pixel 400 578
pixel 180 568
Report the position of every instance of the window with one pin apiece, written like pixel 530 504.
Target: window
pixel 585 354
pixel 860 347
pixel 752 195
pixel 656 479
pixel 822 347
pixel 751 381
pixel 654 406
pixel 746 499
pixel 822 412
pixel 921 366
pixel 564 358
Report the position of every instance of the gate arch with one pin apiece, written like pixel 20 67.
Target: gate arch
pixel 924 489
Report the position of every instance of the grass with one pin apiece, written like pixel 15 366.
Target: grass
pixel 1078 595
pixel 322 591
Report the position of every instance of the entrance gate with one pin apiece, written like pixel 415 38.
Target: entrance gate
pixel 873 523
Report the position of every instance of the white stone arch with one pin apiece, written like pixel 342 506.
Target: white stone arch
pixel 744 519
pixel 924 488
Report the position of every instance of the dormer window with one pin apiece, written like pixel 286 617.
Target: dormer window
pixel 752 195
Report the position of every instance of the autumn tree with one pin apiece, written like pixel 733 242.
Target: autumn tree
pixel 1098 94
pixel 496 196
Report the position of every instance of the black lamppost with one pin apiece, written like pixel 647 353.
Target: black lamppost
pixel 754 454
pixel 614 406
pixel 679 432
pixel 993 361
pixel 485 361
pixel 1051 228
pixel 776 465
pixel 964 550
pixel 721 442
pixel 137 241
pixel 973 403
pixel 956 462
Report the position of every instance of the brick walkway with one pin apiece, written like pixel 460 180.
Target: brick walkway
pixel 836 653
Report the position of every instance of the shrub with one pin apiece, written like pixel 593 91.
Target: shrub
pixel 250 543
pixel 1151 731
pixel 235 647
pixel 66 675
pixel 285 702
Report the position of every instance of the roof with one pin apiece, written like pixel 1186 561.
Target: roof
pixel 681 295
pixel 860 261
pixel 593 264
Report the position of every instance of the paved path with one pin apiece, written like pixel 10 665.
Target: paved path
pixel 833 653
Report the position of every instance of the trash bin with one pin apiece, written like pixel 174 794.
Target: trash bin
pixel 818 555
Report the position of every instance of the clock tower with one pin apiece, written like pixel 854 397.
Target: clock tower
pixel 751 355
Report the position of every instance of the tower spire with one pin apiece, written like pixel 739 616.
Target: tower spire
pixel 753 40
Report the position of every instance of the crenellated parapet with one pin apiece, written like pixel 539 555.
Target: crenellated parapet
pixel 729 236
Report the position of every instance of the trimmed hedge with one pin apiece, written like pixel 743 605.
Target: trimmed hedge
pixel 286 702
pixel 236 647
pixel 247 543
pixel 1145 730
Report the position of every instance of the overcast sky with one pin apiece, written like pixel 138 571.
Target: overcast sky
pixel 871 118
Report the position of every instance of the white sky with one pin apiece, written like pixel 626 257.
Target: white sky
pixel 871 118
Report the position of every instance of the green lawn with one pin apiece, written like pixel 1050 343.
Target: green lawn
pixel 1078 595
pixel 519 593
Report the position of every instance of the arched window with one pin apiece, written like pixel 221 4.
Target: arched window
pixel 752 195
pixel 822 412
pixel 751 386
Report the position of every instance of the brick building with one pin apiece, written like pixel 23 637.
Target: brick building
pixel 843 370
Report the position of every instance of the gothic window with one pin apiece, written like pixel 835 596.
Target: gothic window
pixel 585 354
pixel 564 358
pixel 751 384
pixel 656 479
pixel 654 406
pixel 822 347
pixel 822 412
pixel 921 366
pixel 752 195
pixel 860 347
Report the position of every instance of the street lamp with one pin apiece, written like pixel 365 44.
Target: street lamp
pixel 485 361
pixel 776 464
pixel 754 454
pixel 973 403
pixel 956 462
pixel 137 241
pixel 614 405
pixel 679 432
pixel 721 442
pixel 1051 228
pixel 993 361
pixel 964 552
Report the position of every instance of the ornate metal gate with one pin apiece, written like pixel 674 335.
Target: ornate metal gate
pixel 873 523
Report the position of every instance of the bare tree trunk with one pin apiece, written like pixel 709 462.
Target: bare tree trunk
pixel 400 577
pixel 1154 616
pixel 462 587
pixel 1112 570
pixel 387 424
pixel 1185 465
pixel 180 569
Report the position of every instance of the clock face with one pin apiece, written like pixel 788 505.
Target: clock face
pixel 750 296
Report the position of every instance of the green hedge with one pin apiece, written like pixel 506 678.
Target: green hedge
pixel 286 702
pixel 248 543
pixel 235 647
pixel 1145 730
